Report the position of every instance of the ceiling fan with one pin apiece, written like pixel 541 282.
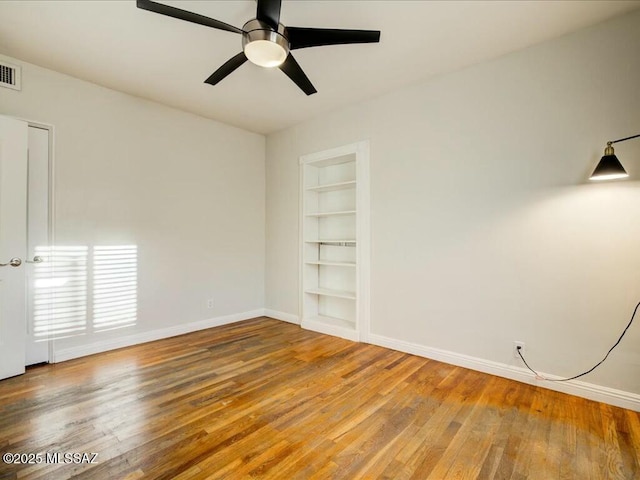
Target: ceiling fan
pixel 266 42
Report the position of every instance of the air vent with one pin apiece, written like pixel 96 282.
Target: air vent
pixel 9 76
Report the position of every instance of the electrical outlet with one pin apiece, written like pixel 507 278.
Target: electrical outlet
pixel 210 303
pixel 515 349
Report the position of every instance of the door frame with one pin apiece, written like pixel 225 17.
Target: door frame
pixel 51 200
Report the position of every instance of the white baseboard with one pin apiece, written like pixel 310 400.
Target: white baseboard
pixel 327 329
pixel 285 317
pixel 611 396
pixel 143 337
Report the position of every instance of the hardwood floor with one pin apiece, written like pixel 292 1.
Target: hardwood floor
pixel 265 399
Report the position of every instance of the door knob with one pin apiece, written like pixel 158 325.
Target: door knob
pixel 36 259
pixel 14 262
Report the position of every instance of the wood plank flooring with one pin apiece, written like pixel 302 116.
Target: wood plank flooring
pixel 266 399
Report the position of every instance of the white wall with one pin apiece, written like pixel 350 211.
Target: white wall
pixel 485 229
pixel 188 191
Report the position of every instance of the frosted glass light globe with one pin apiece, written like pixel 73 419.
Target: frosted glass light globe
pixel 265 53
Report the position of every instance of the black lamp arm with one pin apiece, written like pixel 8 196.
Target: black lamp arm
pixel 623 139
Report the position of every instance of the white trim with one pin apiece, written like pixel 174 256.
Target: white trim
pixel 285 317
pixel 332 153
pixel 361 150
pixel 363 245
pixel 144 337
pixel 327 329
pixel 611 396
pixel 51 198
pixel 301 242
pixel 52 203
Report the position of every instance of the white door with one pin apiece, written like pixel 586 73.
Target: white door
pixel 13 231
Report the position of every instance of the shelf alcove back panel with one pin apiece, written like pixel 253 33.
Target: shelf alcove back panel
pixel 337 253
pixel 343 226
pixel 331 171
pixel 338 308
pixel 336 200
pixel 337 278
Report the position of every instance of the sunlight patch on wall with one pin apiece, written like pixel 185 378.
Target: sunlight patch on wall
pixel 75 284
pixel 115 286
pixel 60 292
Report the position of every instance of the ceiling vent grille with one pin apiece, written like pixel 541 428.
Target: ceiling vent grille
pixel 9 76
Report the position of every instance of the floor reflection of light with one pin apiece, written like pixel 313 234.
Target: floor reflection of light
pixel 58 427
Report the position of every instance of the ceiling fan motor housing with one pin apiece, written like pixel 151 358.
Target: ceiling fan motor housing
pixel 263 45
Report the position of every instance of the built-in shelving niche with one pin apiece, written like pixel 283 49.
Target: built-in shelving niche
pixel 335 241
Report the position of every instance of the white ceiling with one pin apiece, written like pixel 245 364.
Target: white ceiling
pixel 115 44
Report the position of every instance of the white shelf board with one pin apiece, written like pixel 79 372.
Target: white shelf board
pixel 333 264
pixel 332 240
pixel 337 240
pixel 332 186
pixel 336 322
pixel 327 292
pixel 329 214
pixel 321 161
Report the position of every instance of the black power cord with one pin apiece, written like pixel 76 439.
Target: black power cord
pixel 519 348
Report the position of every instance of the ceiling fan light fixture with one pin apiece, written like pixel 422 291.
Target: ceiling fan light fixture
pixel 265 53
pixel 263 46
pixel 267 42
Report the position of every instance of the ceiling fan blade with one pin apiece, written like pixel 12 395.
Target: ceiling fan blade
pixel 184 15
pixel 269 12
pixel 300 37
pixel 291 68
pixel 230 65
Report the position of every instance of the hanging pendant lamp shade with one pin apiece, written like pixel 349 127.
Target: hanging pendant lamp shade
pixel 609 167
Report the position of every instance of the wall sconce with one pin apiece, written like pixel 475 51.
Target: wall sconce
pixel 609 167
